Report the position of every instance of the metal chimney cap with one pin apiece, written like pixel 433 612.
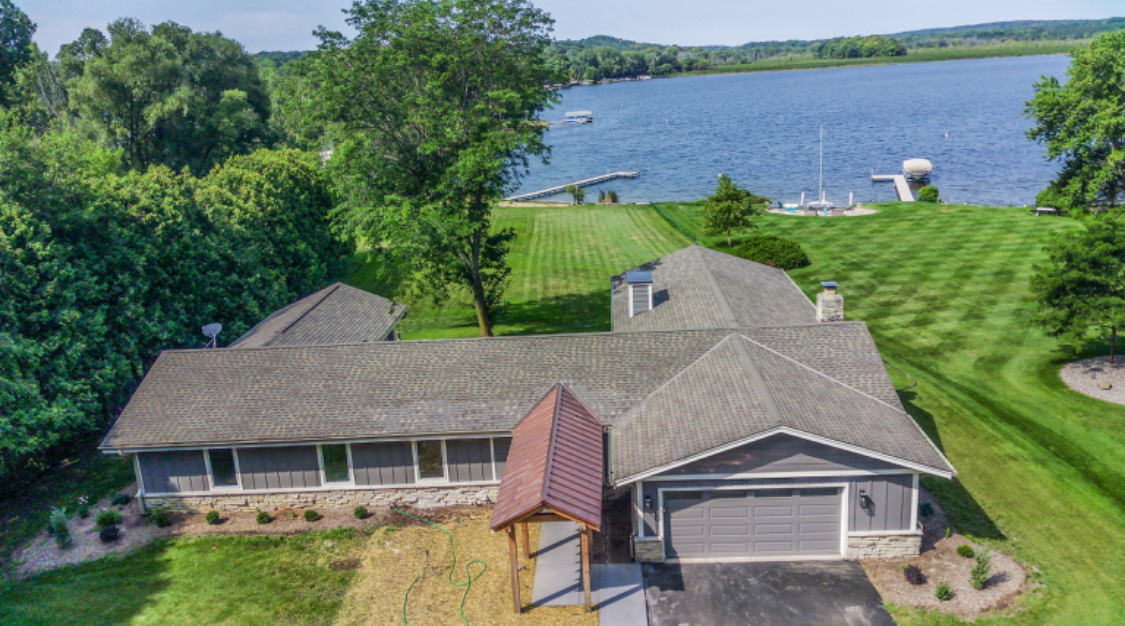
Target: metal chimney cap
pixel 830 285
pixel 638 278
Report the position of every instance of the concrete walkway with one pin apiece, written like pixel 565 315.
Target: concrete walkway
pixel 617 589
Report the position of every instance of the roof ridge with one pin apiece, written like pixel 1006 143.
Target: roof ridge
pixel 623 421
pixel 331 290
pixel 545 491
pixel 822 374
pixel 724 304
pixel 757 383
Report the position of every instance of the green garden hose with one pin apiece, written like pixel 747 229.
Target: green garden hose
pixel 469 578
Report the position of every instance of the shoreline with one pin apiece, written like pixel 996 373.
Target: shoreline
pixel 818 64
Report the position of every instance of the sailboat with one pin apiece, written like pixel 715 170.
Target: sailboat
pixel 823 203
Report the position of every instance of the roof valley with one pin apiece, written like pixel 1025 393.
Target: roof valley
pixel 756 382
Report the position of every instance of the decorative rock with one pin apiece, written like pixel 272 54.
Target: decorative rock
pixel 1105 385
pixel 419 497
pixel 884 546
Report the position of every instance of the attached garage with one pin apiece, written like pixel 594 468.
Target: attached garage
pixel 728 524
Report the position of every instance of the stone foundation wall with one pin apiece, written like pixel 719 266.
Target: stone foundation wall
pixel 884 546
pixel 648 550
pixel 417 497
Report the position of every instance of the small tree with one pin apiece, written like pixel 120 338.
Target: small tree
pixel 729 209
pixel 1081 287
pixel 601 196
pixel 611 196
pixel 576 192
pixel 929 193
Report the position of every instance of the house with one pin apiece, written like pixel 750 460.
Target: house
pixel 745 421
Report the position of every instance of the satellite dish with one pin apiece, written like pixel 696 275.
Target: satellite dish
pixel 211 331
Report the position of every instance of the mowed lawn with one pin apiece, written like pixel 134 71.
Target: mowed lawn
pixel 943 289
pixel 561 262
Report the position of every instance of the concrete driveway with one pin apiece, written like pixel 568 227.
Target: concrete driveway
pixel 821 593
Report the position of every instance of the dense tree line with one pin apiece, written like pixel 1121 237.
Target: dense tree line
pixel 145 190
pixel 859 48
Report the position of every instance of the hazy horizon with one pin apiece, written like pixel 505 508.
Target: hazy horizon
pixel 288 24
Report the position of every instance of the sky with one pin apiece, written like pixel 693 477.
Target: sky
pixel 288 24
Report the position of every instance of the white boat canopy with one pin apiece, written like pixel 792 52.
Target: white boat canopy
pixel 580 114
pixel 917 166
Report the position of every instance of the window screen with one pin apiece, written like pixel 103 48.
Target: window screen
pixel 222 468
pixel 430 463
pixel 335 463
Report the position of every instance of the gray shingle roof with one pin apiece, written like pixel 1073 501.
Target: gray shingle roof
pixel 336 314
pixel 700 288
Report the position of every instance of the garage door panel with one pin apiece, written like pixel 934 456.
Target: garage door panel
pixel 738 523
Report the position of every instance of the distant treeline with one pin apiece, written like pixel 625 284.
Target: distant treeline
pixel 859 48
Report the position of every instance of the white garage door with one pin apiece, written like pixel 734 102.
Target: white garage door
pixel 752 523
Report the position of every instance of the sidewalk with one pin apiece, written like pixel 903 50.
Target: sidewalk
pixel 617 589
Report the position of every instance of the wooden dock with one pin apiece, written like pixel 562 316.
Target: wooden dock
pixel 542 193
pixel 902 188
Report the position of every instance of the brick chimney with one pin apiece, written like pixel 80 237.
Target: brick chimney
pixel 829 303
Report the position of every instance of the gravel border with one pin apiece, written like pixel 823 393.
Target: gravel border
pixel 1083 376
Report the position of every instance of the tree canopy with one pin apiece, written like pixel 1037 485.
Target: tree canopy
pixel 1081 287
pixel 166 95
pixel 419 162
pixel 15 45
pixel 730 209
pixel 1082 124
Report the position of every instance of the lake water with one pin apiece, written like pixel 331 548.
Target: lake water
pixel 763 130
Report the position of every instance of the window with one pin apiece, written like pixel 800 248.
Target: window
pixel 335 459
pixel 431 460
pixel 223 473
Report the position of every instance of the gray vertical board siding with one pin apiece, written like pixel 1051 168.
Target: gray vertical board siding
pixel 470 460
pixel 780 453
pixel 500 446
pixel 892 498
pixel 648 518
pixel 173 472
pixel 292 467
pixel 390 463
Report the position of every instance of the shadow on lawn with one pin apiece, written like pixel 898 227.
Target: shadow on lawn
pixel 567 313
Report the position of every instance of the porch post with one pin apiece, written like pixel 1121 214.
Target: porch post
pixel 526 541
pixel 515 565
pixel 585 533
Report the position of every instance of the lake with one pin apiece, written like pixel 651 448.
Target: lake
pixel 763 130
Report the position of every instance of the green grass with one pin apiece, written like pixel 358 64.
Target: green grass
pixel 919 55
pixel 943 289
pixel 561 262
pixel 209 580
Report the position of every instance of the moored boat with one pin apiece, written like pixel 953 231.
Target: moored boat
pixel 917 170
pixel 578 117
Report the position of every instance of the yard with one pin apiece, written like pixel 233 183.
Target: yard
pixel 944 291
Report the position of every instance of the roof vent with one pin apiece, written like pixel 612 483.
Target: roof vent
pixel 640 292
pixel 829 303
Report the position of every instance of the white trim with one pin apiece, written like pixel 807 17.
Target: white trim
pixel 770 475
pixel 444 464
pixel 342 487
pixel 845 517
pixel 759 559
pixel 649 287
pixel 914 503
pixel 785 430
pixel 659 512
pixel 492 455
pixel 880 533
pixel 350 482
pixel 293 444
pixel 630 300
pixel 211 475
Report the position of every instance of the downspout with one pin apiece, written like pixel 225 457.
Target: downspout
pixel 610 478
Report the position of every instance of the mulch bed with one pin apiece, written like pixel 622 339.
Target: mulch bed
pixel 1085 375
pixel 940 563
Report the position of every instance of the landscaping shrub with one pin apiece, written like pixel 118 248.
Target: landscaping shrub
pixel 929 193
pixel 360 512
pixel 107 517
pixel 773 251
pixel 943 592
pixel 57 528
pixel 913 575
pixel 926 509
pixel 311 515
pixel 159 517
pixel 121 499
pixel 83 508
pixel 109 533
pixel 966 551
pixel 982 571
pixel 212 517
pixel 263 517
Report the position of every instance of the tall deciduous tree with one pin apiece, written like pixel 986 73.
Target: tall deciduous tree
pixel 430 112
pixel 15 45
pixel 730 209
pixel 1081 287
pixel 167 96
pixel 1082 123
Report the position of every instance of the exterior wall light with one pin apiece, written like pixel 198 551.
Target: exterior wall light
pixel 648 504
pixel 865 500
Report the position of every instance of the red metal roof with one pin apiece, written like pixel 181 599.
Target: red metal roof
pixel 555 463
